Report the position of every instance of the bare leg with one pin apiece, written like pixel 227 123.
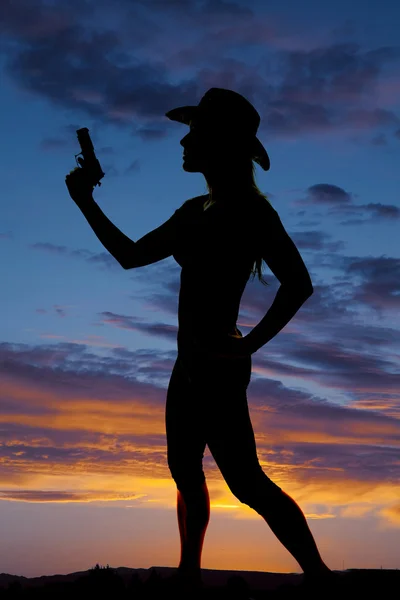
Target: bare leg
pixel 193 517
pixel 287 521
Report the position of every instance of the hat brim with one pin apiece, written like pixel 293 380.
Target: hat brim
pixel 186 114
pixel 183 114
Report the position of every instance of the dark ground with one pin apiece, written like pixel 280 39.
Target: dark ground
pixel 145 584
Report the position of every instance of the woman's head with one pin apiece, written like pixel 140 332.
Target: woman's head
pixel 222 155
pixel 223 116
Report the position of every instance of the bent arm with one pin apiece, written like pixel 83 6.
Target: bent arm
pixel 154 246
pixel 285 305
pixel 281 255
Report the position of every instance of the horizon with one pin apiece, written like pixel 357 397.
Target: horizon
pixel 111 567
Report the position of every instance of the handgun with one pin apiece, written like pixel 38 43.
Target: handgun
pixel 89 162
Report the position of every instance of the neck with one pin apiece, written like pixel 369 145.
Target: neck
pixel 229 177
pixel 225 189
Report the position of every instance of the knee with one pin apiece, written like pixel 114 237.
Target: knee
pixel 255 492
pixel 189 486
pixel 187 479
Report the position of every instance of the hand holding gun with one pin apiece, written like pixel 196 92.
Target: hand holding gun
pixel 80 183
pixel 82 180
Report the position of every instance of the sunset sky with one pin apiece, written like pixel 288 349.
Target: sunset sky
pixel 87 348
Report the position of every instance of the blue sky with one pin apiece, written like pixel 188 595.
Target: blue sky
pixel 86 348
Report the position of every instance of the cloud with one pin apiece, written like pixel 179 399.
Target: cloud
pixel 329 88
pixel 326 193
pixel 357 510
pixel 377 209
pixel 134 167
pixel 65 497
pixel 66 411
pixel 379 140
pixel 101 258
pixel 32 20
pixel 126 322
pixel 379 282
pixel 342 203
pixel 71 416
pixel 53 143
pixel 392 513
pixel 119 76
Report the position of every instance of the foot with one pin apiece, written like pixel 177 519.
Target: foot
pixel 186 583
pixel 326 581
pixel 189 573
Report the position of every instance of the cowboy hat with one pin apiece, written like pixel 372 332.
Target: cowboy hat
pixel 226 110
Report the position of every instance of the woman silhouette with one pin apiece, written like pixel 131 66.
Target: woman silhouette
pixel 217 238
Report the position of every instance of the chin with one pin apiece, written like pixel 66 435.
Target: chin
pixel 190 166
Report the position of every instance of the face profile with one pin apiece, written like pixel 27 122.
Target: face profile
pixel 207 150
pixel 196 151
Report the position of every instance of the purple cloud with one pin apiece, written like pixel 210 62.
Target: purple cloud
pixel 59 55
pixel 326 193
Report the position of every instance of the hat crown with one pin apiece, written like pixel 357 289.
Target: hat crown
pixel 229 108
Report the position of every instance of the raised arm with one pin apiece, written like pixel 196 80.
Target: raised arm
pixel 154 246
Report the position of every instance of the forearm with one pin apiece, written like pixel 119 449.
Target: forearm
pixel 117 244
pixel 285 305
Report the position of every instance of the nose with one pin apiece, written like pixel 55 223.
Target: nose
pixel 183 141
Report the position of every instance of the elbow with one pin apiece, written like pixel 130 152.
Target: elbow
pixel 126 262
pixel 130 265
pixel 304 287
pixel 309 290
pixel 124 265
pixel 299 289
pixel 306 291
pixel 127 257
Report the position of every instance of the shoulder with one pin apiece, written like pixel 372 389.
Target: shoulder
pixel 266 213
pixel 188 209
pixel 260 211
pixel 263 204
pixel 192 203
pixel 266 222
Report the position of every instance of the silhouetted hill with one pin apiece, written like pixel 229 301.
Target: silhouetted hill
pixel 212 578
pixel 119 580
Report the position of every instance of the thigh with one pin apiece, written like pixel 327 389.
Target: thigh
pixel 205 372
pixel 227 424
pixel 230 437
pixel 185 435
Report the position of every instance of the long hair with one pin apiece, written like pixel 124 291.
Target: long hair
pixel 247 169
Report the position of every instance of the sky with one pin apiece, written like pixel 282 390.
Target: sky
pixel 87 348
